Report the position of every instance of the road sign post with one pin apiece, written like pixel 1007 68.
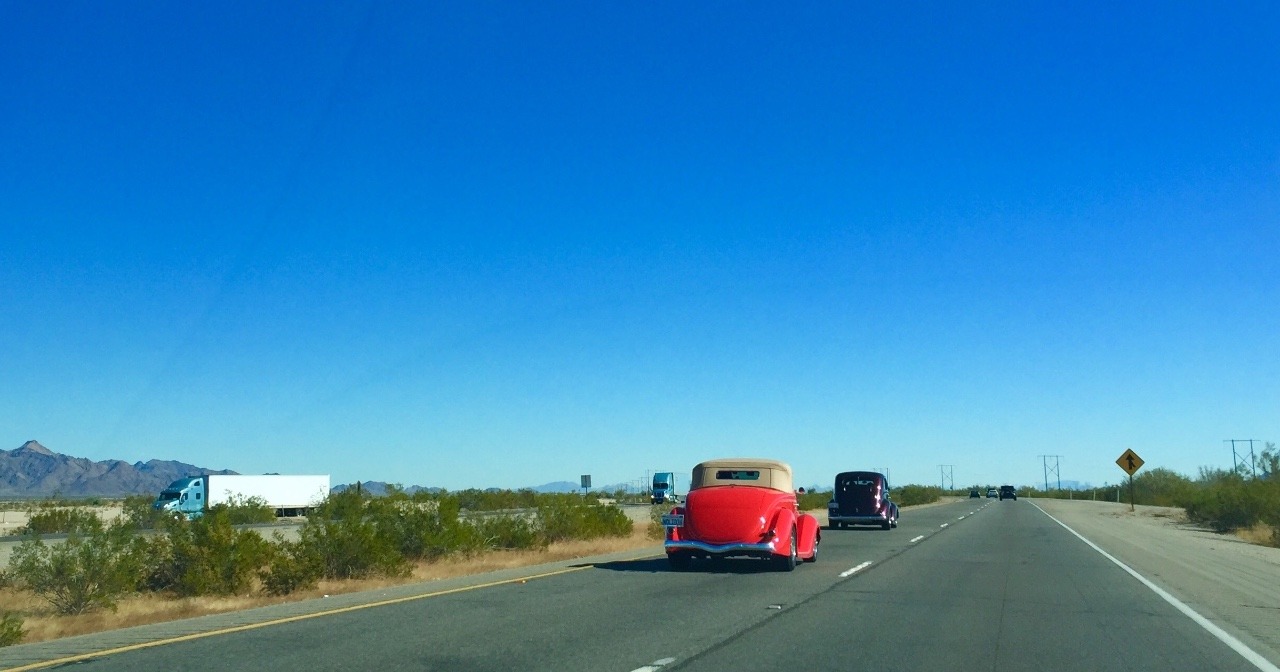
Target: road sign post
pixel 1130 463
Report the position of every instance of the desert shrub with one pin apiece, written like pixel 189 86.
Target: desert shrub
pixel 1162 487
pixel 1221 505
pixel 248 510
pixel 422 527
pixel 496 500
pixel 157 568
pixel 51 519
pixel 11 631
pixel 1230 502
pixel 813 499
pixel 656 530
pixel 565 517
pixel 208 556
pixel 347 542
pixel 352 535
pixel 911 495
pixel 91 569
pixel 1269 462
pixel 137 512
pixel 352 549
pixel 293 566
pixel 508 532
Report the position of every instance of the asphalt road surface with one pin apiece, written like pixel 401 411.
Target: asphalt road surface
pixel 973 585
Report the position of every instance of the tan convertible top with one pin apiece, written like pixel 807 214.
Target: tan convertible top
pixel 742 471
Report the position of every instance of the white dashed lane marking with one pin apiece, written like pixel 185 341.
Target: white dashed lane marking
pixel 855 570
pixel 916 539
pixel 655 665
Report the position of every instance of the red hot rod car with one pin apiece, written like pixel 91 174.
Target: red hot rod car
pixel 741 507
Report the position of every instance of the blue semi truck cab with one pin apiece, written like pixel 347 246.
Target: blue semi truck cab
pixel 664 488
pixel 185 496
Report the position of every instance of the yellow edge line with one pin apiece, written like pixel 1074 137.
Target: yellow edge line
pixel 279 621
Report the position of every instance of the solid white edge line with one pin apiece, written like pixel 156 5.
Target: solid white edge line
pixel 1225 637
pixel 916 539
pixel 855 570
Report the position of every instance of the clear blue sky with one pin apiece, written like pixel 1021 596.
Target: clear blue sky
pixel 472 244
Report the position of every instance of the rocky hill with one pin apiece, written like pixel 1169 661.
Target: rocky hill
pixel 379 488
pixel 31 470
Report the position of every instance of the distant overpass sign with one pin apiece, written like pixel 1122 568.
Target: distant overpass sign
pixel 1130 461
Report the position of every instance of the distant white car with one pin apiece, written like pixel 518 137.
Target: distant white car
pixel 991 493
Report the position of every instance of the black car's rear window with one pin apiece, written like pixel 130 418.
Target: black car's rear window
pixel 737 475
pixel 847 484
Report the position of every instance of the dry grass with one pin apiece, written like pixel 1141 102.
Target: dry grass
pixel 42 625
pixel 1260 534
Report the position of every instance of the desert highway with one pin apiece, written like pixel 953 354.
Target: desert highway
pixel 972 585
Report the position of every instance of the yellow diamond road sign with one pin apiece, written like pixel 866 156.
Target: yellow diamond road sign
pixel 1130 461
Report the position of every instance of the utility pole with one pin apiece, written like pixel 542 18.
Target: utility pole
pixel 1045 459
pixel 1238 455
pixel 948 477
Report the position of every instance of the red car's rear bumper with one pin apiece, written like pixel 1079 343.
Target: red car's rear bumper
pixel 760 550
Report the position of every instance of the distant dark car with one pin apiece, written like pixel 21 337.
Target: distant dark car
pixel 991 493
pixel 861 498
pixel 974 494
pixel 1008 492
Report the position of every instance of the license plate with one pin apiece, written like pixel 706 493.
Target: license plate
pixel 673 520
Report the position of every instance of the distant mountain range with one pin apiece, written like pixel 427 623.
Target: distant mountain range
pixel 31 470
pixel 379 488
